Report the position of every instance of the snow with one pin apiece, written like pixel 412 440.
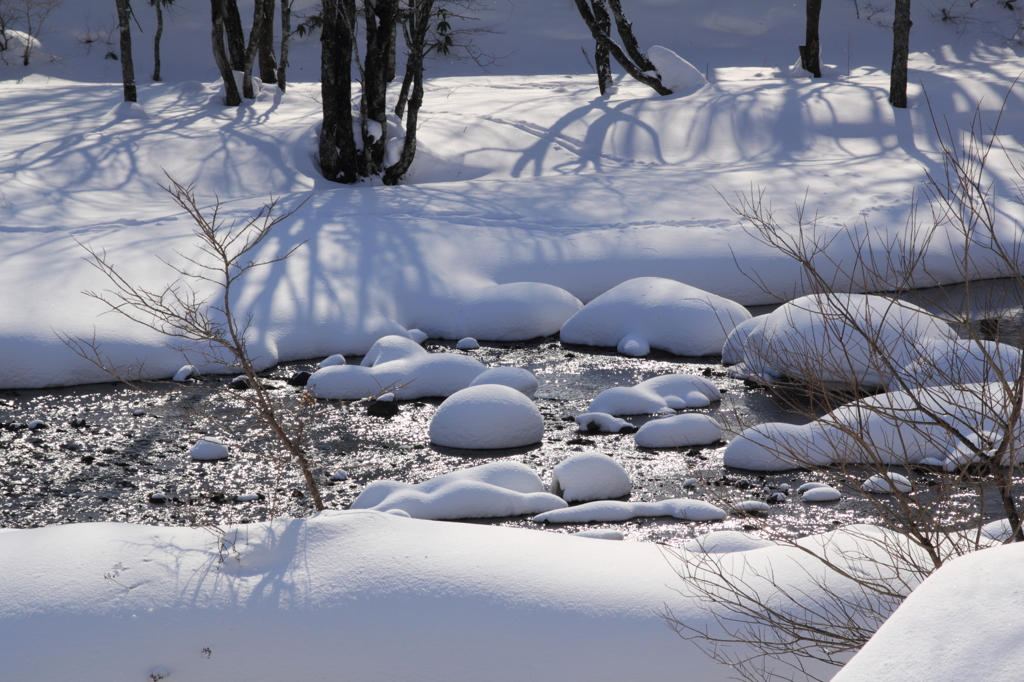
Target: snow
pixel 398 365
pixel 829 339
pixel 128 110
pixel 208 448
pixel 734 348
pixel 331 361
pixel 824 493
pixel 663 393
pixel 506 312
pixel 602 423
pixel 599 534
pixel 887 484
pixel 487 417
pixel 588 476
pixel 489 490
pixel 612 510
pixel 468 343
pixel 523 380
pixel 184 373
pixel 682 430
pixel 752 507
pixel 964 622
pixel 654 312
pixel 724 541
pixel 677 74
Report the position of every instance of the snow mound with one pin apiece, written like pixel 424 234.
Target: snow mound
pixel 726 541
pixel 487 417
pixel 399 365
pixel 523 380
pixel 468 343
pixel 830 339
pixel 962 623
pixel 590 476
pixel 751 507
pixel 821 493
pixel 207 449
pixel 667 392
pixel 331 361
pixel 600 422
pixel 517 311
pixel 682 430
pixel 961 361
pixel 611 510
pixel 486 491
pixel 659 313
pixel 886 485
pixel 677 74
pixel 735 344
pixel 1000 530
pixel 417 335
pixel 184 373
pixel 124 111
pixel 599 534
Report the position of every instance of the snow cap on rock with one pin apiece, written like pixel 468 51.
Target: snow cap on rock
pixel 682 430
pixel 523 380
pixel 590 476
pixel 486 417
pixel 665 393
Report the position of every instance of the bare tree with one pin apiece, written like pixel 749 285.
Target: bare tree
pixel 900 54
pixel 207 326
pixel 218 11
pixel 629 55
pixel 160 6
pixel 810 51
pixel 30 15
pixel 286 34
pixel 124 17
pixel 941 447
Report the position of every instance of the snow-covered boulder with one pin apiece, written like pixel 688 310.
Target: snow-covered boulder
pixel 468 343
pixel 886 485
pixel 486 491
pixel 331 361
pixel 611 510
pixel 961 361
pixel 776 446
pixel 208 449
pixel 590 476
pixel 399 365
pixel 654 312
pixel 523 380
pixel 601 422
pixel 664 393
pixel 505 312
pixel 726 541
pixel 682 430
pixel 677 74
pixel 487 417
pixel 735 344
pixel 184 374
pixel 834 340
pixel 822 493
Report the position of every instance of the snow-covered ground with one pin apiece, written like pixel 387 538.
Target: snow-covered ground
pixel 526 177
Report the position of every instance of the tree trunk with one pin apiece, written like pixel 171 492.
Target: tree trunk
pixel 156 40
pixel 810 51
pixel 286 34
pixel 255 36
pixel 900 53
pixel 380 17
pixel 633 69
pixel 236 36
pixel 127 67
pixel 268 64
pixel 337 148
pixel 601 57
pixel 421 18
pixel 625 28
pixel 217 10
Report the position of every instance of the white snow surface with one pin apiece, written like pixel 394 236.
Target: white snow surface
pixel 888 484
pixel 677 74
pixel 588 476
pixel 468 343
pixel 735 343
pixel 400 366
pixel 682 430
pixel 601 422
pixel 822 493
pixel 496 489
pixel 665 392
pixel 523 380
pixel 208 448
pixel 612 510
pixel 964 622
pixel 184 373
pixel 724 541
pixel 331 361
pixel 487 417
pixel 654 312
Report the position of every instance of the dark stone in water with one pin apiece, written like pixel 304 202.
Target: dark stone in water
pixel 382 408
pixel 240 383
pixel 299 379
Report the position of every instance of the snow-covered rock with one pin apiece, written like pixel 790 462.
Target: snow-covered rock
pixel 523 380
pixel 833 339
pixel 599 534
pixel 124 111
pixel 505 312
pixel 590 476
pixel 486 417
pixel 208 448
pixel 888 484
pixel 399 365
pixel 468 343
pixel 659 313
pixel 823 493
pixel 724 541
pixel 751 507
pixel 486 491
pixel 184 374
pixel 735 345
pixel 332 361
pixel 612 510
pixel 602 422
pixel 666 392
pixel 417 335
pixel 682 430
pixel 677 74
pixel 961 361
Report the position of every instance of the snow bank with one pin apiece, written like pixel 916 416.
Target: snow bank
pixel 601 422
pixel 399 365
pixel 723 541
pixel 590 476
pixel 523 380
pixel 611 510
pixel 664 393
pixel 677 74
pixel 486 491
pixel 680 431
pixel 506 312
pixel 652 312
pixel 487 417
pixel 964 622
pixel 831 339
